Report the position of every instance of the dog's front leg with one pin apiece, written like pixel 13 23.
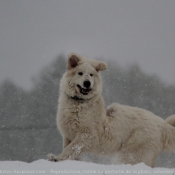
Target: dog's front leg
pixel 81 143
pixel 66 142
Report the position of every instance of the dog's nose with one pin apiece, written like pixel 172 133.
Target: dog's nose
pixel 87 83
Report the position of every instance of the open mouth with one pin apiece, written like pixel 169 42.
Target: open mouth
pixel 84 91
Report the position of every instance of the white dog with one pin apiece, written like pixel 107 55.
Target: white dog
pixel 135 135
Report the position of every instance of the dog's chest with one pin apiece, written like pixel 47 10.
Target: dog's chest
pixel 73 121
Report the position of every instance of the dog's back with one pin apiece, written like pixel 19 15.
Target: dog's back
pixel 171 120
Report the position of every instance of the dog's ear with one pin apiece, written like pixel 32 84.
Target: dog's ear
pixel 101 66
pixel 73 60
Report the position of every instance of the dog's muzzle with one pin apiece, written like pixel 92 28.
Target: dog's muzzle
pixel 86 90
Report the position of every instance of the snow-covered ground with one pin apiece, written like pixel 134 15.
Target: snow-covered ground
pixel 77 167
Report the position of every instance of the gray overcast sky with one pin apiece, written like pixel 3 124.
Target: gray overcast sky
pixel 34 32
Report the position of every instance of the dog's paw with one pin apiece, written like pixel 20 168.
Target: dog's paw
pixel 51 157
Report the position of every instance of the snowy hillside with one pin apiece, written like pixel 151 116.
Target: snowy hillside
pixel 76 167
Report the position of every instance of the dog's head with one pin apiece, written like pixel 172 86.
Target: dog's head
pixel 82 79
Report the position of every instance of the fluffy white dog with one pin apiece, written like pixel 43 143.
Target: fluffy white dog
pixel 135 135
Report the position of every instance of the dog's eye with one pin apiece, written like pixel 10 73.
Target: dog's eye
pixel 80 73
pixel 91 75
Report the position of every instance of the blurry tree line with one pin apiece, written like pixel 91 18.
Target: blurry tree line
pixel 27 118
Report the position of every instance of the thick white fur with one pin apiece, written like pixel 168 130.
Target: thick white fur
pixel 171 120
pixel 135 134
